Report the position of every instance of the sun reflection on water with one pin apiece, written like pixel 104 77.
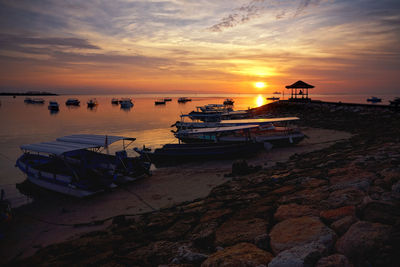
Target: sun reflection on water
pixel 260 100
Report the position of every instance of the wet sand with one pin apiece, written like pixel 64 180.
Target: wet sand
pixel 35 224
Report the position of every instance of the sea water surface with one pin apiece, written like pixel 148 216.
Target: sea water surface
pixel 150 124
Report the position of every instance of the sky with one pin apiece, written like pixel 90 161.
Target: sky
pixel 199 46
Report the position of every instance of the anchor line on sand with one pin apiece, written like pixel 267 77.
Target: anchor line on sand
pixel 94 222
pixel 7 158
pixel 89 223
pixel 140 199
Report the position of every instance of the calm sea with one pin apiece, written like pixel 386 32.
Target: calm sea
pixel 23 123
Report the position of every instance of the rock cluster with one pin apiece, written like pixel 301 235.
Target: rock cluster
pixel 339 206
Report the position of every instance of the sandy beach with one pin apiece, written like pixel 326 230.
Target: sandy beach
pixel 41 223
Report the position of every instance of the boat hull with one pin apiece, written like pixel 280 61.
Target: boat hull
pixel 276 140
pixel 69 190
pixel 57 182
pixel 178 153
pixel 123 170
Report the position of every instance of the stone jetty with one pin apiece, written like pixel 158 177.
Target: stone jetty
pixel 339 206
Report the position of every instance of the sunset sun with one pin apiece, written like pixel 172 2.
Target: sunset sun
pixel 259 85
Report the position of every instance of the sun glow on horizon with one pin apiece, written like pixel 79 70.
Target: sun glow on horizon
pixel 260 85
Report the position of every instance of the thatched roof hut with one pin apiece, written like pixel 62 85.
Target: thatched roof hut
pixel 303 90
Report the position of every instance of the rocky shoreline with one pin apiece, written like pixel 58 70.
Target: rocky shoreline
pixel 339 206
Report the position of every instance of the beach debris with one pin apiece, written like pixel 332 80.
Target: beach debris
pixel 241 167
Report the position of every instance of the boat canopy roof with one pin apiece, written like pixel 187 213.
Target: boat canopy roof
pixel 55 147
pixel 221 129
pixel 93 139
pixel 259 121
pixel 74 142
pixel 236 112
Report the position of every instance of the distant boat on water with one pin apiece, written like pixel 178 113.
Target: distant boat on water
pixel 29 100
pixel 92 103
pixel 276 93
pixel 72 102
pixel 126 103
pixel 374 99
pixel 167 99
pixel 159 102
pixel 53 105
pixel 115 101
pixel 273 98
pixel 229 102
pixel 184 100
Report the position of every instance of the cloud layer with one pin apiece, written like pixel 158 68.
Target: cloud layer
pixel 188 45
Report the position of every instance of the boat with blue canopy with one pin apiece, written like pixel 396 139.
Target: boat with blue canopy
pixel 235 122
pixel 247 132
pixel 74 165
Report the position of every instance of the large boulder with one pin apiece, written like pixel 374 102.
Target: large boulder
pixel 341 226
pixel 363 241
pixel 382 212
pixel 350 175
pixel 203 235
pixel 156 253
pixel 185 255
pixel 242 254
pixel 346 197
pixel 308 196
pixel 338 213
pixel 299 231
pixel 335 260
pixel 235 231
pixel 304 255
pixel 390 176
pixel 294 210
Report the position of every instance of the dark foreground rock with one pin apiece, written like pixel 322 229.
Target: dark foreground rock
pixel 242 254
pixel 335 207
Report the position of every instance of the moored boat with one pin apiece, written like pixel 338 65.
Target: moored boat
pixel 216 112
pixel 272 133
pixel 273 98
pixel 374 99
pixel 229 102
pixel 73 165
pixel 178 153
pixel 167 99
pixel 92 103
pixel 72 102
pixel 184 100
pixel 53 105
pixel 126 103
pixel 37 101
pixel 182 125
pixel 159 102
pixel 29 100
pixel 115 101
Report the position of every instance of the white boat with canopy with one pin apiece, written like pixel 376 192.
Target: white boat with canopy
pixel 258 121
pixel 73 165
pixel 250 130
